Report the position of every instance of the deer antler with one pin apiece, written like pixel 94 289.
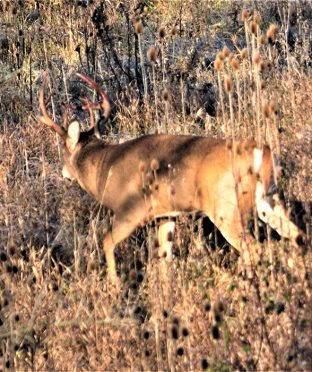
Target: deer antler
pixel 45 119
pixel 105 105
pixel 88 105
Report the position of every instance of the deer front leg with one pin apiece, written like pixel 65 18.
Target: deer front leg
pixel 120 231
pixel 229 220
pixel 123 226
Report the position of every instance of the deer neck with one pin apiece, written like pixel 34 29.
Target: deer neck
pixel 90 166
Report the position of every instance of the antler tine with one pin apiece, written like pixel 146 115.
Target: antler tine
pixel 105 105
pixel 45 119
pixel 89 106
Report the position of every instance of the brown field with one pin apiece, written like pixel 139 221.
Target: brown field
pixel 179 66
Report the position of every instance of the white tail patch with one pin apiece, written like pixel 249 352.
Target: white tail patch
pixel 258 155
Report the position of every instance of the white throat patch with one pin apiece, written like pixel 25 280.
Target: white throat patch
pixel 66 174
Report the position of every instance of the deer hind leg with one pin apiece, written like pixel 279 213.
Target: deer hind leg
pixel 165 239
pixel 276 216
pixel 109 247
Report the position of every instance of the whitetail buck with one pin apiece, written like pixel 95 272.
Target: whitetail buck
pixel 163 175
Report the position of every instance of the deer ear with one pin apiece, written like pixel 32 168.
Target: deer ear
pixel 73 134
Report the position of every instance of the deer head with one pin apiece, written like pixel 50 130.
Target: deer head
pixel 73 139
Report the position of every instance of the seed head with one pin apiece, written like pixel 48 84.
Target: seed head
pixel 235 64
pixel 138 26
pixel 142 166
pixel 165 95
pixel 256 57
pixel 174 30
pixel 12 250
pixel 147 353
pixel 226 51
pixel 14 269
pixel 262 66
pixel 273 29
pixel 162 33
pixel 176 321
pixel 133 275
pixel 175 332
pixel 272 33
pixel 218 317
pixel 138 264
pixel 262 39
pixel 273 107
pixel 244 15
pixel 204 364
pixel 218 64
pixel 220 56
pixel 228 84
pixel 244 53
pixel 156 243
pixel 149 178
pixel 9 268
pixel 262 84
pixel 91 266
pixel 152 54
pixel 3 256
pixel 146 335
pixel 257 18
pixel 215 332
pixel 140 277
pixel 253 27
pixel 155 164
pixel 220 306
pixel 266 110
pixel 185 332
pixel 170 236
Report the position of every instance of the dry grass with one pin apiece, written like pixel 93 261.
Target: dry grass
pixel 56 312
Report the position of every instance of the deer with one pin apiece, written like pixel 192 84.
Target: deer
pixel 160 175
